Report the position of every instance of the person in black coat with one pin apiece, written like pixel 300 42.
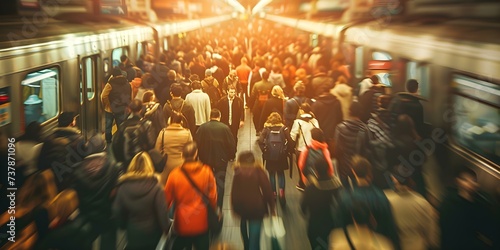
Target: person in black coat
pixel 236 112
pixel 216 147
pixel 409 103
pixel 274 104
pixel 328 112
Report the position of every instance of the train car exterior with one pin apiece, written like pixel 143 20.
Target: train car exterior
pixel 456 63
pixel 62 65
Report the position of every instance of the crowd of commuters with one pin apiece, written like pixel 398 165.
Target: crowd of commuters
pixel 177 121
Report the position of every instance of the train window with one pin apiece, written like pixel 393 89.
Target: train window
pixel 40 93
pixel 358 67
pixel 116 54
pixel 165 44
pixel 89 73
pixel 419 72
pixel 477 116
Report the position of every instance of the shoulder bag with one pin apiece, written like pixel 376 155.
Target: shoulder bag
pixel 214 221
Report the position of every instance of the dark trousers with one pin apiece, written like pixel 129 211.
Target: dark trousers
pixel 109 118
pixel 319 241
pixel 234 130
pixel 301 183
pixel 220 179
pixel 200 242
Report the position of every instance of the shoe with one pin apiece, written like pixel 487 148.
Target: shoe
pixel 300 188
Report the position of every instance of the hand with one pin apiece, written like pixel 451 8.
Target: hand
pixel 242 123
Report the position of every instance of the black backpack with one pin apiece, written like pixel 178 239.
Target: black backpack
pixel 275 145
pixel 184 121
pixel 133 139
pixel 154 113
pixel 213 93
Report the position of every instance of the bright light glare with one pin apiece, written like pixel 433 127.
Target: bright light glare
pixel 260 5
pixel 237 5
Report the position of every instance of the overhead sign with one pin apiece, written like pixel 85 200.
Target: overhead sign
pixel 380 65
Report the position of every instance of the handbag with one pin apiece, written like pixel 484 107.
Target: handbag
pixel 274 231
pixel 215 221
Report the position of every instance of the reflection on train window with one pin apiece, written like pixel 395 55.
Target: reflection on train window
pixel 477 116
pixel 89 72
pixel 116 54
pixel 419 72
pixel 40 92
pixel 358 67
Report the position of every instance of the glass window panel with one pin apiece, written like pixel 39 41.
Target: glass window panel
pixel 116 54
pixel 477 117
pixel 359 70
pixel 40 92
pixel 89 77
pixel 381 56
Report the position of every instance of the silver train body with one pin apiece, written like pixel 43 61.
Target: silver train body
pixel 54 66
pixel 457 63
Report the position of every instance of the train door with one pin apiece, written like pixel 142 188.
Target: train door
pixel 88 96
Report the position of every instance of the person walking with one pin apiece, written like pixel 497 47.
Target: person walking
pixel 251 198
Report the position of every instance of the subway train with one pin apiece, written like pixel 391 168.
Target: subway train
pixel 457 63
pixel 59 64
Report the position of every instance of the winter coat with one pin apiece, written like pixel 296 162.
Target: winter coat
pixel 321 83
pixel 348 142
pixel 301 132
pixel 273 104
pixel 94 179
pixel 140 208
pixel 201 106
pixel 277 79
pixel 190 212
pixel 328 111
pixel 216 145
pixel 409 104
pixel 120 94
pixel 171 141
pixel 251 194
pixel 187 110
pixel 292 106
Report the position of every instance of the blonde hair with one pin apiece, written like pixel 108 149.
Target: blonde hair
pixel 277 91
pixel 274 119
pixel 247 159
pixel 140 166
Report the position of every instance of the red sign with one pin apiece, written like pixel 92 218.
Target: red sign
pixel 386 65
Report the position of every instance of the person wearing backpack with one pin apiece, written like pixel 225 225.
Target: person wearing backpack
pixel 181 107
pixel 316 151
pixel 210 85
pixel 134 135
pixel 273 143
pixel 301 134
pixel 152 111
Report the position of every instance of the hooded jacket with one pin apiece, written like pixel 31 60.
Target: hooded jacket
pixel 409 104
pixel 277 79
pixel 190 211
pixel 328 112
pixel 348 142
pixel 94 179
pixel 303 157
pixel 344 94
pixel 141 209
pixel 120 94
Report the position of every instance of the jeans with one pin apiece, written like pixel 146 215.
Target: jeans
pixel 251 235
pixel 110 117
pixel 281 179
pixel 220 181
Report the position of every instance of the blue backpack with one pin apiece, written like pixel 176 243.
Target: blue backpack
pixel 313 156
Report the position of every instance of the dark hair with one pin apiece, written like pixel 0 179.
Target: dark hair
pixel 246 157
pixel 196 84
pixel 412 85
pixel 189 150
pixel 375 79
pixel 123 58
pixel 176 90
pixel 361 166
pixel 465 170
pixel 32 132
pixel 265 75
pixel 356 110
pixel 317 135
pixel 306 107
pixel 194 77
pixel 215 113
pixel 147 96
pixel 135 106
pixel 116 71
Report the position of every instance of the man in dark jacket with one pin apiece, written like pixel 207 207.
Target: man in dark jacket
pixel 409 103
pixel 133 136
pixel 351 138
pixel 178 104
pixel 93 180
pixel 232 111
pixel 328 112
pixel 64 148
pixel 216 147
pixel 115 97
pixel 127 66
pixel 261 91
